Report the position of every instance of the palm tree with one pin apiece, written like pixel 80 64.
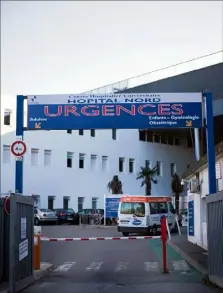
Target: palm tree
pixel 177 189
pixel 115 185
pixel 147 175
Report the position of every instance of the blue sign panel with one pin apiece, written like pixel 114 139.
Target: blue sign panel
pixel 191 218
pixel 122 111
pixel 111 205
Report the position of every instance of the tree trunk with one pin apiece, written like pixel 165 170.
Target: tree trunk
pixel 148 187
pixel 177 202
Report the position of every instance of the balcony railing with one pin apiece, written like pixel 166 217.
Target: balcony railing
pixel 169 71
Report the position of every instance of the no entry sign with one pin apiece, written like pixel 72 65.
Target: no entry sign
pixel 18 148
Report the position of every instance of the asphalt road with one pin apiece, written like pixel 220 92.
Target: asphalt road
pixel 131 266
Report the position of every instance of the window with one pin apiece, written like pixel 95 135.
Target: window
pixel 50 202
pixel 142 135
pixel 157 138
pixel 121 164
pixel 6 154
pixel 159 168
pixel 7 117
pixel 148 164
pixel 47 157
pixel 177 141
pixel 69 131
pixel 81 161
pixel 81 132
pixel 93 162
pixel 173 168
pixel 136 208
pixel 158 208
pixel 149 136
pixel 80 203
pixel 114 134
pixel 93 132
pixel 170 140
pixel 94 203
pixel 34 157
pixel 163 139
pixel 66 202
pixel 104 163
pixel 131 165
pixel 188 166
pixel 69 159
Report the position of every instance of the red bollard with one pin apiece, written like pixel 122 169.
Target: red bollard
pixel 164 240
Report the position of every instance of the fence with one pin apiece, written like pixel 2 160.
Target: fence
pixel 93 220
pixel 16 242
pixel 2 201
pixel 215 237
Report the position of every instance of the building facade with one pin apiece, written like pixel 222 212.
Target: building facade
pixel 72 168
pixel 199 199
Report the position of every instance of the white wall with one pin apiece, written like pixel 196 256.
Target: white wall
pixel 59 181
pixel 200 206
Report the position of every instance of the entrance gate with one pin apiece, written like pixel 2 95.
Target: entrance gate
pixel 105 111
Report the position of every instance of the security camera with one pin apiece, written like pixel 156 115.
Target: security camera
pixel 182 182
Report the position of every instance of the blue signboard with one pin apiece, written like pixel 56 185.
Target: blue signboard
pixel 111 206
pixel 122 111
pixel 191 218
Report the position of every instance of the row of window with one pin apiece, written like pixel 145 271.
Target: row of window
pixel 150 136
pixel 66 200
pixel 93 161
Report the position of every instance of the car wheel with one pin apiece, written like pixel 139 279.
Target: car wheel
pixel 36 222
pixel 125 234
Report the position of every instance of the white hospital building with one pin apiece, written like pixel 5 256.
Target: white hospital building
pixel 72 168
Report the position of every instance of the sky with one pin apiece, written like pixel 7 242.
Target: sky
pixel 64 47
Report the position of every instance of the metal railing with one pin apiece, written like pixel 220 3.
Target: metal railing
pixel 92 220
pixel 161 73
pixel 215 237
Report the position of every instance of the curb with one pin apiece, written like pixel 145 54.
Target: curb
pixel 189 259
pixel 43 272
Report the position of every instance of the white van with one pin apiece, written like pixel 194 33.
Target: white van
pixel 142 214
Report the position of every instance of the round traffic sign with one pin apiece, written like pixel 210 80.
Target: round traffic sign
pixel 7 205
pixel 18 148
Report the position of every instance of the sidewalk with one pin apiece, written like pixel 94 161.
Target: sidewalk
pixel 192 253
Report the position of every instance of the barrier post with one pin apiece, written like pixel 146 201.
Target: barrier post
pixel 164 240
pixel 36 251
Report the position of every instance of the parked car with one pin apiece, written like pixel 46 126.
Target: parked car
pixel 66 216
pixel 44 216
pixel 88 216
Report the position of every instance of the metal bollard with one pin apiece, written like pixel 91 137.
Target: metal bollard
pixel 36 252
pixel 164 240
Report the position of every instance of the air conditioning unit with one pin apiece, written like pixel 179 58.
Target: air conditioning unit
pixel 195 186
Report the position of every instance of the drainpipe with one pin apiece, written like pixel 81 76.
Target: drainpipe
pixel 197 144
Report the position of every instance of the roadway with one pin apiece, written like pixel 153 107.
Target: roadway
pixel 131 266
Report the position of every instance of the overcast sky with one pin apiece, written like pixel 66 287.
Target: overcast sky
pixel 71 47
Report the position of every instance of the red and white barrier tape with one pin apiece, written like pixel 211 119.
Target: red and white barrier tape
pixel 100 238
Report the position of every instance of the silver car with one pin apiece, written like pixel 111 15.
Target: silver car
pixel 44 216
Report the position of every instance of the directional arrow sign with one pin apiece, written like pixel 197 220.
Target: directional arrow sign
pixel 188 123
pixel 38 125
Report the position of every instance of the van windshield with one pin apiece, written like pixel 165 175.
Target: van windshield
pixel 158 208
pixel 133 208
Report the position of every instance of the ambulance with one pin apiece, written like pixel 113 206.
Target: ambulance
pixel 142 214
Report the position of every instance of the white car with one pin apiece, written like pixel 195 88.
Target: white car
pixel 44 216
